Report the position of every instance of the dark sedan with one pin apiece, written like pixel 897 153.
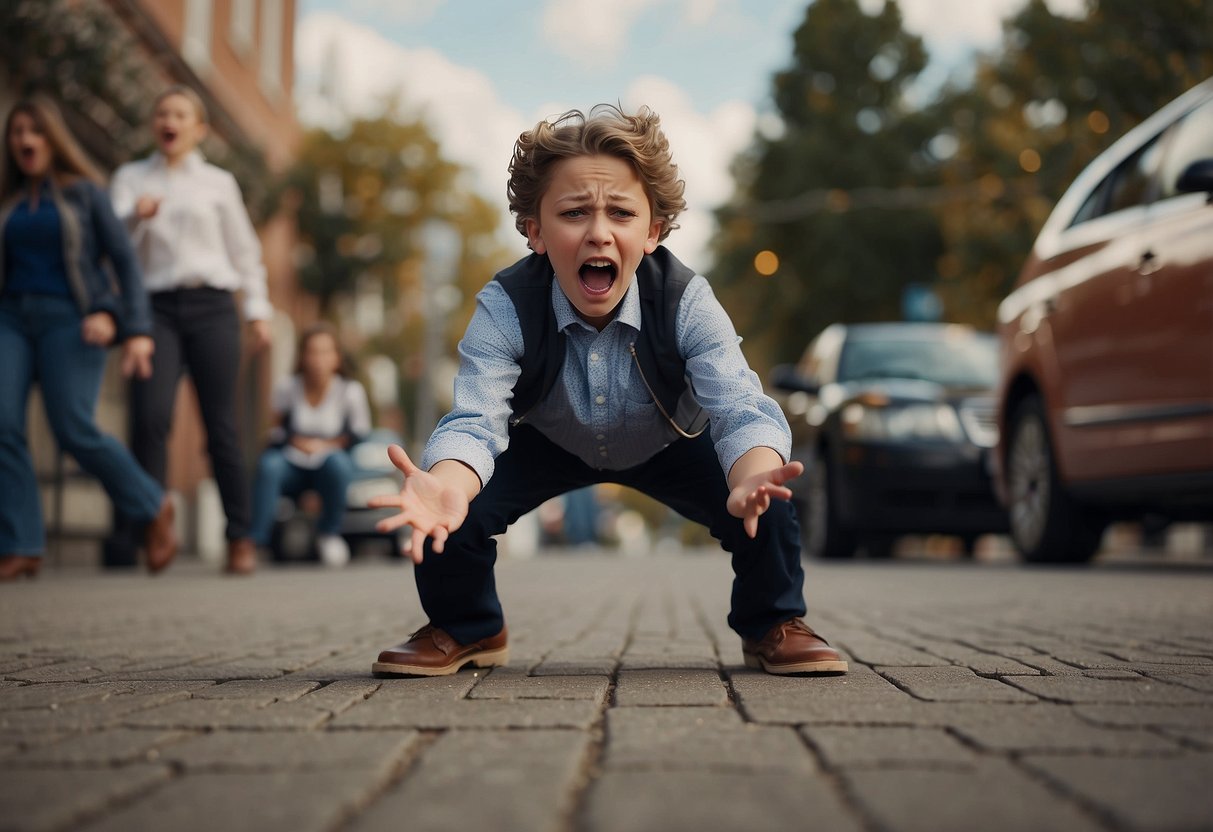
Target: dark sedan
pixel 894 423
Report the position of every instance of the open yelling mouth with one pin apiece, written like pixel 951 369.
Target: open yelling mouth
pixel 168 135
pixel 597 276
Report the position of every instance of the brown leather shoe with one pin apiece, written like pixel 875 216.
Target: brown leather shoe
pixel 241 557
pixel 432 652
pixel 792 647
pixel 160 538
pixel 13 567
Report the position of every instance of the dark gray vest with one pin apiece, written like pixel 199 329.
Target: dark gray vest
pixel 661 280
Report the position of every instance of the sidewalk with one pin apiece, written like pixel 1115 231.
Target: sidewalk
pixel 981 696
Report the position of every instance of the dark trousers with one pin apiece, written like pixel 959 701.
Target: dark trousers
pixel 196 331
pixel 457 588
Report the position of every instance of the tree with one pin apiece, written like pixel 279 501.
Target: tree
pixel 821 195
pixel 361 194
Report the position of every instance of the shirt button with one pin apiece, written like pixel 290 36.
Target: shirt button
pixel 602 453
pixel 600 399
pixel 593 356
pixel 600 437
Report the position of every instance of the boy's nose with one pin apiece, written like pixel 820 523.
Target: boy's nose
pixel 600 230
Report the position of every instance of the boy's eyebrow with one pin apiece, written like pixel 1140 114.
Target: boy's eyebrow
pixel 588 196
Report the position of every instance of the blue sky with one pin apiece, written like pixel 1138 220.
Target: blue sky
pixel 727 54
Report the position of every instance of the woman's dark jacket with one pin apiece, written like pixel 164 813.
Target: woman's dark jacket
pixel 92 238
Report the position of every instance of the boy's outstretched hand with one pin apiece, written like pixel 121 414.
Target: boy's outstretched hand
pixel 433 507
pixel 751 496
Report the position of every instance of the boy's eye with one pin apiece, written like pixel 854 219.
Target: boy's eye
pixel 573 213
pixel 623 213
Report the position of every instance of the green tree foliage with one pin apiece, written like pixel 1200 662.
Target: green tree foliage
pixel 362 194
pixel 813 194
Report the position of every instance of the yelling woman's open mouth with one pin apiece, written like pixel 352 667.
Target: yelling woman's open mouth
pixel 168 135
pixel 597 275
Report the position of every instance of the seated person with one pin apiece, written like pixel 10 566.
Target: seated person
pixel 319 412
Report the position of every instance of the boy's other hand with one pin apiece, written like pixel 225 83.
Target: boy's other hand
pixel 751 497
pixel 431 506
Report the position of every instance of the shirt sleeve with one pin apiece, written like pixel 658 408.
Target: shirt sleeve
pixel 476 429
pixel 123 195
pixel 358 410
pixel 244 251
pixel 742 416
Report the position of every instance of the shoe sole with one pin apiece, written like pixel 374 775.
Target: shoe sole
pixel 759 663
pixel 486 658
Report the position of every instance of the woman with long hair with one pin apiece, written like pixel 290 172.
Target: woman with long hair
pixel 59 313
pixel 319 412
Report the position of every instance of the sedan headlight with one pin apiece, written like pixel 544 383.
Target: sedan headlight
pixel 902 423
pixel 360 492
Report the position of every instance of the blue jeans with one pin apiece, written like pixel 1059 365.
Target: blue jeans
pixel 457 588
pixel 40 341
pixel 277 476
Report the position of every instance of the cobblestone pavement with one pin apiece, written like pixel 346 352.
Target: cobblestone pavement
pixel 981 696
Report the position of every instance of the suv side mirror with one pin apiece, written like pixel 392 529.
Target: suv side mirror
pixel 1196 178
pixel 784 377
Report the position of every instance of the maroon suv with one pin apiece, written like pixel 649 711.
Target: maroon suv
pixel 1106 390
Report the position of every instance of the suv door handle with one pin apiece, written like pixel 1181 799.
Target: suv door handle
pixel 1148 264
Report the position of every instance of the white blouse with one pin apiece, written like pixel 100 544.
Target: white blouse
pixel 200 236
pixel 344 409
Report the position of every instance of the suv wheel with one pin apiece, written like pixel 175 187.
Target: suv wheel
pixel 1046 525
pixel 825 536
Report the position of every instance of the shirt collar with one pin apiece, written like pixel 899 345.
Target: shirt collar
pixel 566 315
pixel 190 163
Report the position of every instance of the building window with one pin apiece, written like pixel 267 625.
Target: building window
pixel 271 47
pixel 240 25
pixel 196 42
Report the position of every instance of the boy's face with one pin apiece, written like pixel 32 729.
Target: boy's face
pixel 595 225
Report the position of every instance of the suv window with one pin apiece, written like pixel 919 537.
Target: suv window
pixel 1131 183
pixel 1192 140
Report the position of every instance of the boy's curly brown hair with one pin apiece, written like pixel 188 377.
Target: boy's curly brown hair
pixel 606 130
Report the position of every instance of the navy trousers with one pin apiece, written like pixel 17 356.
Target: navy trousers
pixel 459 593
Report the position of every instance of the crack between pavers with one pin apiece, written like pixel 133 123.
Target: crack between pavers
pixel 575 818
pixel 400 771
pixel 841 786
pixel 1097 813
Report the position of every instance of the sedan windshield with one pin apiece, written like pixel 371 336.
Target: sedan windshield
pixel 953 360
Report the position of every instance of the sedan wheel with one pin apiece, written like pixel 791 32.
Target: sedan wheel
pixel 1046 525
pixel 825 536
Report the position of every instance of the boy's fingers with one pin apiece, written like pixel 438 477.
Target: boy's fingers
pixel 439 537
pixel 401 460
pixel 390 524
pixel 417 550
pixel 385 501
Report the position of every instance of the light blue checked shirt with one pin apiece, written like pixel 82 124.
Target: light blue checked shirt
pixel 599 409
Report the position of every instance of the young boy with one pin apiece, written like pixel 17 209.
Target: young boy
pixel 600 358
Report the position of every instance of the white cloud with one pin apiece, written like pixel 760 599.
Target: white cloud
pixel 592 32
